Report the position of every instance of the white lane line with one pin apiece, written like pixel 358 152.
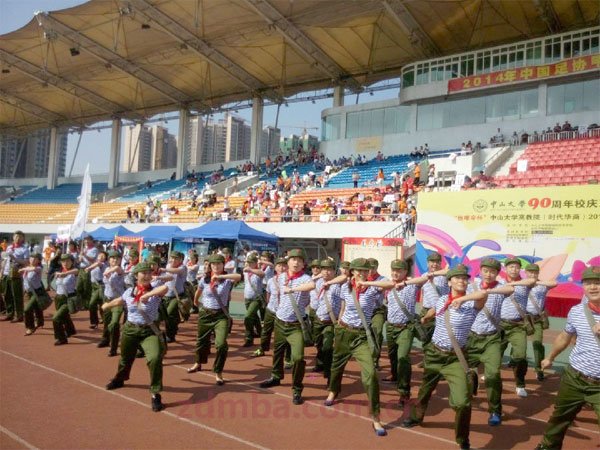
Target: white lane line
pixel 132 400
pixel 19 439
pixel 327 408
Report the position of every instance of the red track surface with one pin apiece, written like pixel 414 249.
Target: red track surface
pixel 54 397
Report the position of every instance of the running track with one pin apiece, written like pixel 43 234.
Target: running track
pixel 54 397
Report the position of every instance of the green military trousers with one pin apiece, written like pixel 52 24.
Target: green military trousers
pixel 487 350
pixel 399 343
pixel 289 334
pixel 96 300
pixel 574 391
pixel 13 297
pixel 251 319
pixel 377 325
pixel 352 342
pixel 537 338
pixel 209 321
pixel 34 309
pixel 61 320
pixel 112 327
pixel 440 364
pixel 323 332
pixel 514 334
pixel 133 337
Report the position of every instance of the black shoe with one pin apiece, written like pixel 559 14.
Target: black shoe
pixel 112 353
pixel 72 333
pixel 93 326
pixel 410 422
pixel 404 401
pixel 540 376
pixel 17 320
pixel 248 344
pixel 271 382
pixel 465 445
pixel 114 384
pixel 170 340
pixel 317 369
pixel 297 400
pixel 157 404
pixel 102 344
pixel 61 342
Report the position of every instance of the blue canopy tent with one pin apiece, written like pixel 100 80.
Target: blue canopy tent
pixel 158 233
pixel 227 230
pixel 104 234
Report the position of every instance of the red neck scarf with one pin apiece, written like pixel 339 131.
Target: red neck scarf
pixel 63 270
pixel 448 302
pixel 15 245
pixel 373 277
pixel 215 283
pixel 292 276
pixel 263 267
pixel 593 307
pixel 359 290
pixel 518 278
pixel 140 290
pixel 491 285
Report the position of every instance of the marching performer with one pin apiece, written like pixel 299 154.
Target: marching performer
pixel 113 279
pixel 15 257
pixel 66 298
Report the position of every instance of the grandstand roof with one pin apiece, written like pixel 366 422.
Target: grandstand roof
pixel 137 58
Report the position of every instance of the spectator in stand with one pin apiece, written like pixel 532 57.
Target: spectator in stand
pixel 306 211
pixel 377 202
pixel 567 126
pixel 355 178
pixel 379 156
pixel 129 214
pixel 415 152
pixel 557 128
pixel 380 176
pixel 463 149
pixel 426 151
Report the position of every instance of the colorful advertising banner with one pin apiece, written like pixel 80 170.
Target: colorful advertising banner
pixel 556 227
pixel 523 74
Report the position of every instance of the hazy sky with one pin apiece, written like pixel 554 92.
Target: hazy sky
pixel 95 146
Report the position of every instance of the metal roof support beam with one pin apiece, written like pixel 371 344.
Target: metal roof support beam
pixel 202 48
pixel 547 13
pixel 45 77
pixel 398 10
pixel 53 159
pixel 256 127
pixel 109 57
pixel 298 39
pixel 115 153
pixel 29 108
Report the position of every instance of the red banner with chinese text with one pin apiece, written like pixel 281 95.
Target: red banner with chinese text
pixel 523 74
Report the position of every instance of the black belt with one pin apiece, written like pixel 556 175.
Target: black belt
pixel 325 322
pixel 484 334
pixel 99 283
pixel 210 311
pixel 516 321
pixel 586 377
pixel 443 350
pixel 400 326
pixel 295 322
pixel 131 324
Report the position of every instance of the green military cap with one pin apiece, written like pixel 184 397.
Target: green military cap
pixel 177 255
pixel 154 259
pixel 114 254
pixel 399 264
pixel 142 267
pixel 360 264
pixel 373 263
pixel 591 273
pixel 215 259
pixel 226 251
pixel 266 254
pixel 458 271
pixel 36 256
pixel 327 264
pixel 434 257
pixel 508 261
pixel 315 263
pixel 345 265
pixel 66 256
pixel 281 261
pixel 491 263
pixel 532 268
pixel 252 258
pixel 134 253
pixel 297 253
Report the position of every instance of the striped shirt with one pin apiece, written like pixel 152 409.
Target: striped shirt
pixel 584 356
pixel 335 301
pixel 314 294
pixel 408 296
pixel 33 280
pixel 431 294
pixel 176 285
pixel 114 285
pixel 20 255
pixel 380 292
pixel 368 303
pixel 269 273
pixel 192 273
pixel 482 324
pixel 509 312
pixel 96 274
pixel 461 320
pixel 538 292
pixel 209 300
pixel 253 285
pixel 66 285
pixel 91 253
pixel 273 290
pixel 285 311
pixel 150 308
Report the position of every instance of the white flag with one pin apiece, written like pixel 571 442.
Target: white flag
pixel 84 205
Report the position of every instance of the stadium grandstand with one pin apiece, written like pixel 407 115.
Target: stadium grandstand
pixel 489 147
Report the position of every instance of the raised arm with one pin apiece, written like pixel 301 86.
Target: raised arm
pixel 561 342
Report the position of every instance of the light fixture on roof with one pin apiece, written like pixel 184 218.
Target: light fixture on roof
pixel 145 26
pixel 74 51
